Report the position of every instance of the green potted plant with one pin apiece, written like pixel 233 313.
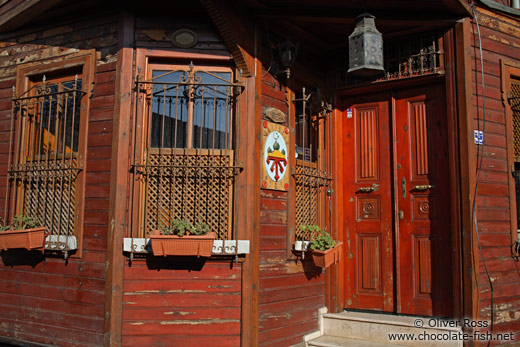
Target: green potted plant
pixel 24 232
pixel 307 233
pixel 182 238
pixel 325 250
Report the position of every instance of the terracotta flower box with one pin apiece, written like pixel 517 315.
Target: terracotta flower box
pixel 328 257
pixel 190 245
pixel 27 238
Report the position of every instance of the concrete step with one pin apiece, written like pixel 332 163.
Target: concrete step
pixel 376 328
pixel 336 341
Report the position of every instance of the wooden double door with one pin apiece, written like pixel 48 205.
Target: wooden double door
pixel 397 203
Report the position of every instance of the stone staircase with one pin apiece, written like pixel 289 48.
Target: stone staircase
pixel 374 329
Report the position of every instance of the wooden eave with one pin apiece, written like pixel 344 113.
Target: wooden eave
pixel 460 7
pixel 236 38
pixel 325 25
pixel 15 13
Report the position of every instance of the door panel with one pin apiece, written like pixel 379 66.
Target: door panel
pixel 423 232
pixel 395 181
pixel 369 212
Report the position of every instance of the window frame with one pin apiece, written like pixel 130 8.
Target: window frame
pixel 81 63
pixel 320 162
pixel 508 70
pixel 146 61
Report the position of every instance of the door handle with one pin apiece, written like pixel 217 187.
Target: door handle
pixel 368 189
pixel 423 187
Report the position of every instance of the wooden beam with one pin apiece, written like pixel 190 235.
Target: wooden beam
pixel 231 28
pixel 119 182
pixel 410 20
pixel 287 29
pixel 450 67
pixel 248 188
pixel 459 6
pixel 335 277
pixel 470 255
pixel 15 13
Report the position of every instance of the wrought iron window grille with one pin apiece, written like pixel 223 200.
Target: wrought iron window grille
pixel 43 160
pixel 185 168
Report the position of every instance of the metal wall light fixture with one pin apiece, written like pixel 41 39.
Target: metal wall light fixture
pixel 365 48
pixel 287 52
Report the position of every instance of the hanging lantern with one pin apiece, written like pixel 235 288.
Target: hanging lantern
pixel 287 52
pixel 365 48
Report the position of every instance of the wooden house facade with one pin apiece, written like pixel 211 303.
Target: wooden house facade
pixel 117 118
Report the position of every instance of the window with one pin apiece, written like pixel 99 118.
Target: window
pixel 185 167
pixel 511 94
pixel 313 178
pixel 47 150
pixel 514 102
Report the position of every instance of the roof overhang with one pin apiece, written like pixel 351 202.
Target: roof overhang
pixel 15 13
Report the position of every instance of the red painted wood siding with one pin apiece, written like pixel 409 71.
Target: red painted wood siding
pixel 167 302
pixel 60 302
pixel 290 292
pixel 500 40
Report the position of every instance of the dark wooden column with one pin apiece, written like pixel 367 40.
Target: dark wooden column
pixel 119 182
pixel 470 257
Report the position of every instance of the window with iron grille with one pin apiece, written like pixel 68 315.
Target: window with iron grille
pixel 185 168
pixel 514 103
pixel 47 140
pixel 313 174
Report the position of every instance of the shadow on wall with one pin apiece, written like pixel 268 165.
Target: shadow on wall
pixel 310 270
pixel 17 257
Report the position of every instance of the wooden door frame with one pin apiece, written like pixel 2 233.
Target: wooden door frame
pixel 448 79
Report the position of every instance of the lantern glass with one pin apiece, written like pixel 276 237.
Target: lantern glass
pixel 365 48
pixel 287 52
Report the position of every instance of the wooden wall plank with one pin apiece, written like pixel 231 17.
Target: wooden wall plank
pixel 62 298
pixel 182 340
pixel 283 283
pixel 161 303
pixel 500 41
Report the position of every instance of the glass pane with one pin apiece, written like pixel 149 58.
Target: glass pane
pixel 306 138
pixel 208 99
pixel 56 130
pixel 212 109
pixel 169 110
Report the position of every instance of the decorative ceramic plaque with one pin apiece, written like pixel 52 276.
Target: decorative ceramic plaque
pixel 275 156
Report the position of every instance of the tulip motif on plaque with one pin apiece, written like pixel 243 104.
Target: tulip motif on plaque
pixel 275 138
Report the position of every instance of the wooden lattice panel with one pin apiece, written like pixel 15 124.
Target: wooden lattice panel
pixel 49 191
pixel 515 107
pixel 193 185
pixel 311 184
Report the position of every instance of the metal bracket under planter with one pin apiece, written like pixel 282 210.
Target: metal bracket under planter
pixel 220 247
pixel 61 243
pixel 302 246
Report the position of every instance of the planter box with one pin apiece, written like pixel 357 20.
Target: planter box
pixel 201 246
pixel 28 239
pixel 328 257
